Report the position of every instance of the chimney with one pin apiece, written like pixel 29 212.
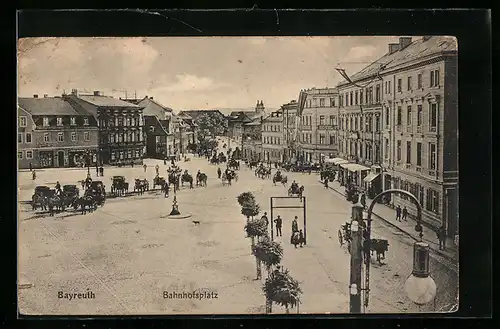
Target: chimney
pixel 97 93
pixel 404 42
pixel 35 96
pixel 45 95
pixel 393 47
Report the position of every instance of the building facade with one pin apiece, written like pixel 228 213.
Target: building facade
pixel 272 137
pixel 121 133
pixel 290 121
pixel 416 103
pixel 51 133
pixel 317 127
pixel 251 141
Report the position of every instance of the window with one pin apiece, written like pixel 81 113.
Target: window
pixel 129 154
pixel 72 121
pixel 59 121
pixel 332 140
pixel 366 95
pixel 113 156
pixel 400 85
pixel 419 154
pixel 19 138
pixel 377 123
pixel 121 155
pixel 398 150
pixel 73 136
pixel 433 117
pixel 356 98
pixel 434 78
pixel 322 139
pixel 45 122
pixel 332 120
pixel 371 95
pixel 432 202
pixel 409 84
pixel 60 137
pixel 86 136
pixel 356 123
pixel 386 150
pixel 370 124
pixel 132 121
pixel 20 155
pixel 322 102
pixel 22 122
pixel 408 115
pixel 28 138
pixel 387 116
pixel 385 87
pixel 46 137
pixel 389 85
pixel 399 119
pixel 152 129
pixel 321 120
pixel 85 121
pixel 419 81
pixel 351 98
pixel 377 94
pixel 419 115
pixel 111 138
pixel 408 152
pixel 432 156
pixel 361 96
pixel 332 102
pixel 29 154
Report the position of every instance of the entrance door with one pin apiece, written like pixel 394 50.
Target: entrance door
pixel 60 158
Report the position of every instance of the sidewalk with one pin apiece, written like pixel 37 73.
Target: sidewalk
pixel 388 215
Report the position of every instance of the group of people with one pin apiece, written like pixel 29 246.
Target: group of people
pixel 297 237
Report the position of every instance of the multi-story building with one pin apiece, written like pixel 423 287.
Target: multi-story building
pixel 251 141
pixel 121 134
pixel 235 122
pixel 317 127
pixel 184 132
pixel 289 111
pixel 419 112
pixel 272 137
pixel 51 133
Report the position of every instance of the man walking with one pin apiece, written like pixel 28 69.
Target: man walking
pixel 101 170
pixel 441 235
pixel 405 213
pixel 157 168
pixel 295 225
pixel 398 213
pixel 145 167
pixel 219 172
pixel 278 222
pixel 96 169
pixel 363 200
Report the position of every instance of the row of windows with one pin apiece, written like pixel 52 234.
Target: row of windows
pixel 433 116
pixel 368 152
pixel 28 154
pixel 46 137
pixel 433 82
pixel 271 140
pixel 268 127
pixel 431 151
pixel 360 123
pixel 59 121
pixel 125 137
pixel 323 102
pixel 431 198
pixel 125 121
pixel 131 154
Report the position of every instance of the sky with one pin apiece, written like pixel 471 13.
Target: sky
pixel 193 72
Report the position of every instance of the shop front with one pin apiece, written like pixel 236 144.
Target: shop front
pixel 353 174
pixel 373 182
pixel 46 159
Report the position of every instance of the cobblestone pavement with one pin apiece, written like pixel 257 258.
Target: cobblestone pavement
pixel 128 253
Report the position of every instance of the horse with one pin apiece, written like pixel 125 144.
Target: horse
pixel 85 202
pixel 284 181
pixel 158 180
pixel 201 179
pixel 226 179
pixel 297 191
pixel 187 178
pixel 141 185
pixel 380 247
pixel 39 200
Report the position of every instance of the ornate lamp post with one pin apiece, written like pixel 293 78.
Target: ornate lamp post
pixel 419 286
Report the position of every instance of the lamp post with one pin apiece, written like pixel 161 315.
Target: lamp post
pixel 88 162
pixel 419 286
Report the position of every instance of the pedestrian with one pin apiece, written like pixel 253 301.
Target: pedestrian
pixel 441 235
pixel 33 174
pixel 405 213
pixel 295 225
pixel 31 166
pixel 219 172
pixel 132 164
pixel 145 166
pixel 164 161
pixel 97 170
pixel 363 200
pixel 278 223
pixel 301 238
pixel 101 169
pixel 326 183
pixel 157 168
pixel 398 213
pixel 264 218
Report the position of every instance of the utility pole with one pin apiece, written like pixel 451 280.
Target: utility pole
pixel 356 259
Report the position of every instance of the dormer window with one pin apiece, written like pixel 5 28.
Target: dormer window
pixel 45 122
pixel 59 121
pixel 72 121
pixel 85 121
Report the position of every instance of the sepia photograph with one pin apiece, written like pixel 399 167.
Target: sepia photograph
pixel 237 175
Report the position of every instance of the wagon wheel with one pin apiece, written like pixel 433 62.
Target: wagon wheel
pixel 341 240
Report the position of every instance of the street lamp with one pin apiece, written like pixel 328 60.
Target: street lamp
pixel 419 286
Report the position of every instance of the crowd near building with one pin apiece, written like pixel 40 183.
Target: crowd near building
pixel 383 127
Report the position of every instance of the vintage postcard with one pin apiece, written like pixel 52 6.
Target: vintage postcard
pixel 237 175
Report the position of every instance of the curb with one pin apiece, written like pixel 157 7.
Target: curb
pixel 437 251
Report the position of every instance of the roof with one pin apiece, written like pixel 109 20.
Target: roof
pixel 152 107
pixel 106 101
pixel 195 113
pixel 47 106
pixel 417 49
pixel 253 123
pixel 238 113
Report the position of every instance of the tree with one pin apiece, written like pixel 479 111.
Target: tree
pixel 256 228
pixel 211 124
pixel 245 197
pixel 270 254
pixel 250 209
pixel 281 288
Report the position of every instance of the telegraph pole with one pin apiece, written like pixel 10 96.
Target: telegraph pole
pixel 356 259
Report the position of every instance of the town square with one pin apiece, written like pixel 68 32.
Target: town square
pixel 340 198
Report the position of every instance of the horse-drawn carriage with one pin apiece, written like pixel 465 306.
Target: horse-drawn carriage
pixel 370 246
pixel 119 185
pixel 233 164
pixel 278 177
pixel 228 176
pixel 295 190
pixel 187 178
pixel 328 173
pixel 201 179
pixel 141 185
pixel 263 172
pixel 40 196
pixel 96 193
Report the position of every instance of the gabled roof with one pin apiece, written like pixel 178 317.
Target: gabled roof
pixel 238 113
pixel 152 107
pixel 195 113
pixel 106 101
pixel 47 106
pixel 417 49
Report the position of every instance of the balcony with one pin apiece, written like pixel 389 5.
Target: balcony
pixel 432 172
pixel 432 129
pixel 418 169
pixel 407 165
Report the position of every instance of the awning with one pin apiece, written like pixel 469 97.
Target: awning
pixel 371 177
pixel 354 167
pixel 336 161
